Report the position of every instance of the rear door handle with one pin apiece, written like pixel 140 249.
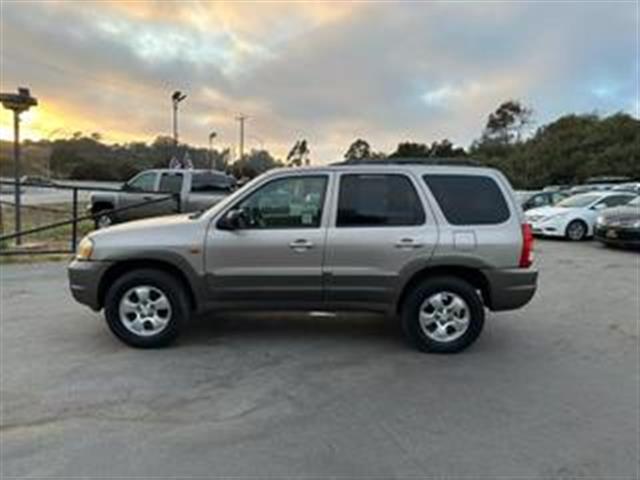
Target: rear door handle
pixel 408 243
pixel 301 245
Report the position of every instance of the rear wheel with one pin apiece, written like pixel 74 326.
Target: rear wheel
pixel 576 230
pixel 443 315
pixel 146 308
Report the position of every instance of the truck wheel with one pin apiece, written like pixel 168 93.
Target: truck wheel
pixel 103 219
pixel 442 315
pixel 146 308
pixel 576 230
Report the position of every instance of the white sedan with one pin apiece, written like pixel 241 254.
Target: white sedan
pixel 575 217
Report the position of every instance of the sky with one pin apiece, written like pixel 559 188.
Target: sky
pixel 329 72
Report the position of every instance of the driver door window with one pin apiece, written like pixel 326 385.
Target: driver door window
pixel 277 254
pixel 293 202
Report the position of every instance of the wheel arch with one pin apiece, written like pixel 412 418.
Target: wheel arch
pixel 120 268
pixel 102 205
pixel 473 276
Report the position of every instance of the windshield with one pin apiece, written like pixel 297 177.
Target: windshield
pixel 523 196
pixel 578 201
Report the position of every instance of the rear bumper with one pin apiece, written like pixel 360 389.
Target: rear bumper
pixel 84 281
pixel 510 288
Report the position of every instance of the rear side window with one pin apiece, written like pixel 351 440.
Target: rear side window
pixel 468 199
pixel 378 201
pixel 210 182
pixel 171 182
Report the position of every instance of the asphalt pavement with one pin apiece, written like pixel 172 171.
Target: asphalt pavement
pixel 551 390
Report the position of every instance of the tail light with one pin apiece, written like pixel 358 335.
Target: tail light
pixel 526 256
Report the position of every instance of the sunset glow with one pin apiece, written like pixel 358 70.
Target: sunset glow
pixel 329 72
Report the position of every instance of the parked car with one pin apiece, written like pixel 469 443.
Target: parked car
pixel 37 180
pixel 574 218
pixel 541 199
pixel 556 188
pixel 395 238
pixel 620 226
pixel 192 190
pixel 607 179
pixel 591 187
pixel 633 187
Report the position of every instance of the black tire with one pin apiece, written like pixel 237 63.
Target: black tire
pixel 576 226
pixel 410 314
pixel 103 219
pixel 169 286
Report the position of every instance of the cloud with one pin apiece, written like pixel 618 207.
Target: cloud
pixel 328 72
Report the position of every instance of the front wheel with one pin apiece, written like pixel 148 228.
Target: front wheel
pixel 443 315
pixel 146 308
pixel 576 230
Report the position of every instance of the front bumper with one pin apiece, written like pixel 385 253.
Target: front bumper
pixel 617 235
pixel 84 281
pixel 550 228
pixel 510 288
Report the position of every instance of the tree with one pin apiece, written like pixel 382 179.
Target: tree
pixel 508 122
pixel 567 151
pixel 446 149
pixel 358 151
pixel 253 164
pixel 411 150
pixel 441 149
pixel 299 154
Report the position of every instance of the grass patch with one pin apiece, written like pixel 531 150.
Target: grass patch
pixel 33 216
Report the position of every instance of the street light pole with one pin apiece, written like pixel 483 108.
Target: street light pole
pixel 16 172
pixel 176 98
pixel 212 135
pixel 18 103
pixel 241 118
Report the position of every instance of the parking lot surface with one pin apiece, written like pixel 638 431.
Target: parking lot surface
pixel 551 390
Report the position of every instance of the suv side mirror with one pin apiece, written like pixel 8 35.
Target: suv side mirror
pixel 233 220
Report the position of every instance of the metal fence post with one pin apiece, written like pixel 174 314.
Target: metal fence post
pixel 16 174
pixel 74 227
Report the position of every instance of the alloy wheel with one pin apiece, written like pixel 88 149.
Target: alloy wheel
pixel 444 317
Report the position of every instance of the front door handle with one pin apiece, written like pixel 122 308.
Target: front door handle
pixel 300 245
pixel 408 243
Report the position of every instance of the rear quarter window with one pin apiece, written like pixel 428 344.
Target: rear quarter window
pixel 210 183
pixel 468 199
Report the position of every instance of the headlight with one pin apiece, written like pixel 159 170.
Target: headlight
pixel 636 224
pixel 600 220
pixel 85 249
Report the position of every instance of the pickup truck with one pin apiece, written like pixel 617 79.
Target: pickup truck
pixel 183 191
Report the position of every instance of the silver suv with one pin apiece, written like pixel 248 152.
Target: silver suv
pixel 432 245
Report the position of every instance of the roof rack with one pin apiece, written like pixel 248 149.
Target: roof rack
pixel 465 162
